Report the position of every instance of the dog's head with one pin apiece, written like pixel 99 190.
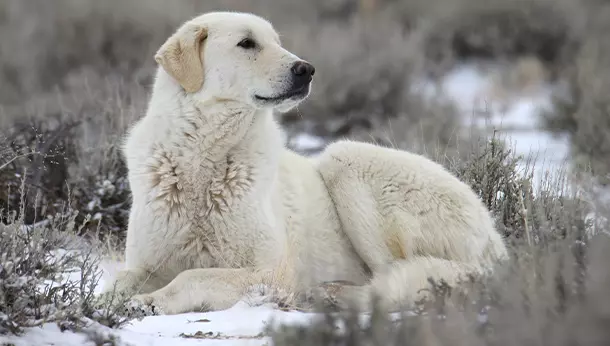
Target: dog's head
pixel 235 56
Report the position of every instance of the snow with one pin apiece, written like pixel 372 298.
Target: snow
pixel 239 325
pixel 306 142
pixel 515 118
pixel 242 324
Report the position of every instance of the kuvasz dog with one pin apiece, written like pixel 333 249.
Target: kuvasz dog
pixel 220 205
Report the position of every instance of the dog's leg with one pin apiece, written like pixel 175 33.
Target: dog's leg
pixel 133 281
pixel 125 285
pixel 402 284
pixel 200 290
pixel 408 219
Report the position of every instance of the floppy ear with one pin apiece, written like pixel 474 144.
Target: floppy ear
pixel 180 56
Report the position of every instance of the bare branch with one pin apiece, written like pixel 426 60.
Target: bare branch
pixel 6 164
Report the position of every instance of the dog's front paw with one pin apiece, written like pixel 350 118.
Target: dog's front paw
pixel 259 295
pixel 264 295
pixel 332 295
pixel 143 305
pixel 111 301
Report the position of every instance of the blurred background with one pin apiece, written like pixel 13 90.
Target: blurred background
pixel 431 76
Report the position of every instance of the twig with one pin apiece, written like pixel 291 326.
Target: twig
pixel 17 158
pixel 526 224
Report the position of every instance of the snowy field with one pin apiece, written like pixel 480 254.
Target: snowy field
pixel 243 323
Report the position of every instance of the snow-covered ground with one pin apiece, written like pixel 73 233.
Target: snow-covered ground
pixel 239 325
pixel 243 323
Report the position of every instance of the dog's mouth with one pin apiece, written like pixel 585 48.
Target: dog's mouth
pixel 297 93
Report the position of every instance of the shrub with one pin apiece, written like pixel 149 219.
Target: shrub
pixel 73 148
pixel 35 282
pixel 583 113
pixel 501 30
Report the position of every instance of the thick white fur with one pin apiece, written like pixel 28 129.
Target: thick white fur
pixel 220 204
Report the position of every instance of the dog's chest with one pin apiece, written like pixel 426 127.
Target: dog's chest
pixel 219 203
pixel 231 182
pixel 195 187
pixel 226 246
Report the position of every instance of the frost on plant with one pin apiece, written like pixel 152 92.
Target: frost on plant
pixel 47 276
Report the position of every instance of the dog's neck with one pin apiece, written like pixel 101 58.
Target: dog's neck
pixel 213 123
pixel 168 94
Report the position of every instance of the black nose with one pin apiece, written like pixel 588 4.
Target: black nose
pixel 302 73
pixel 303 69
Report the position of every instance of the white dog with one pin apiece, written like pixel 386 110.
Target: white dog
pixel 219 204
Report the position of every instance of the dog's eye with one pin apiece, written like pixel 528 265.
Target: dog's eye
pixel 247 43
